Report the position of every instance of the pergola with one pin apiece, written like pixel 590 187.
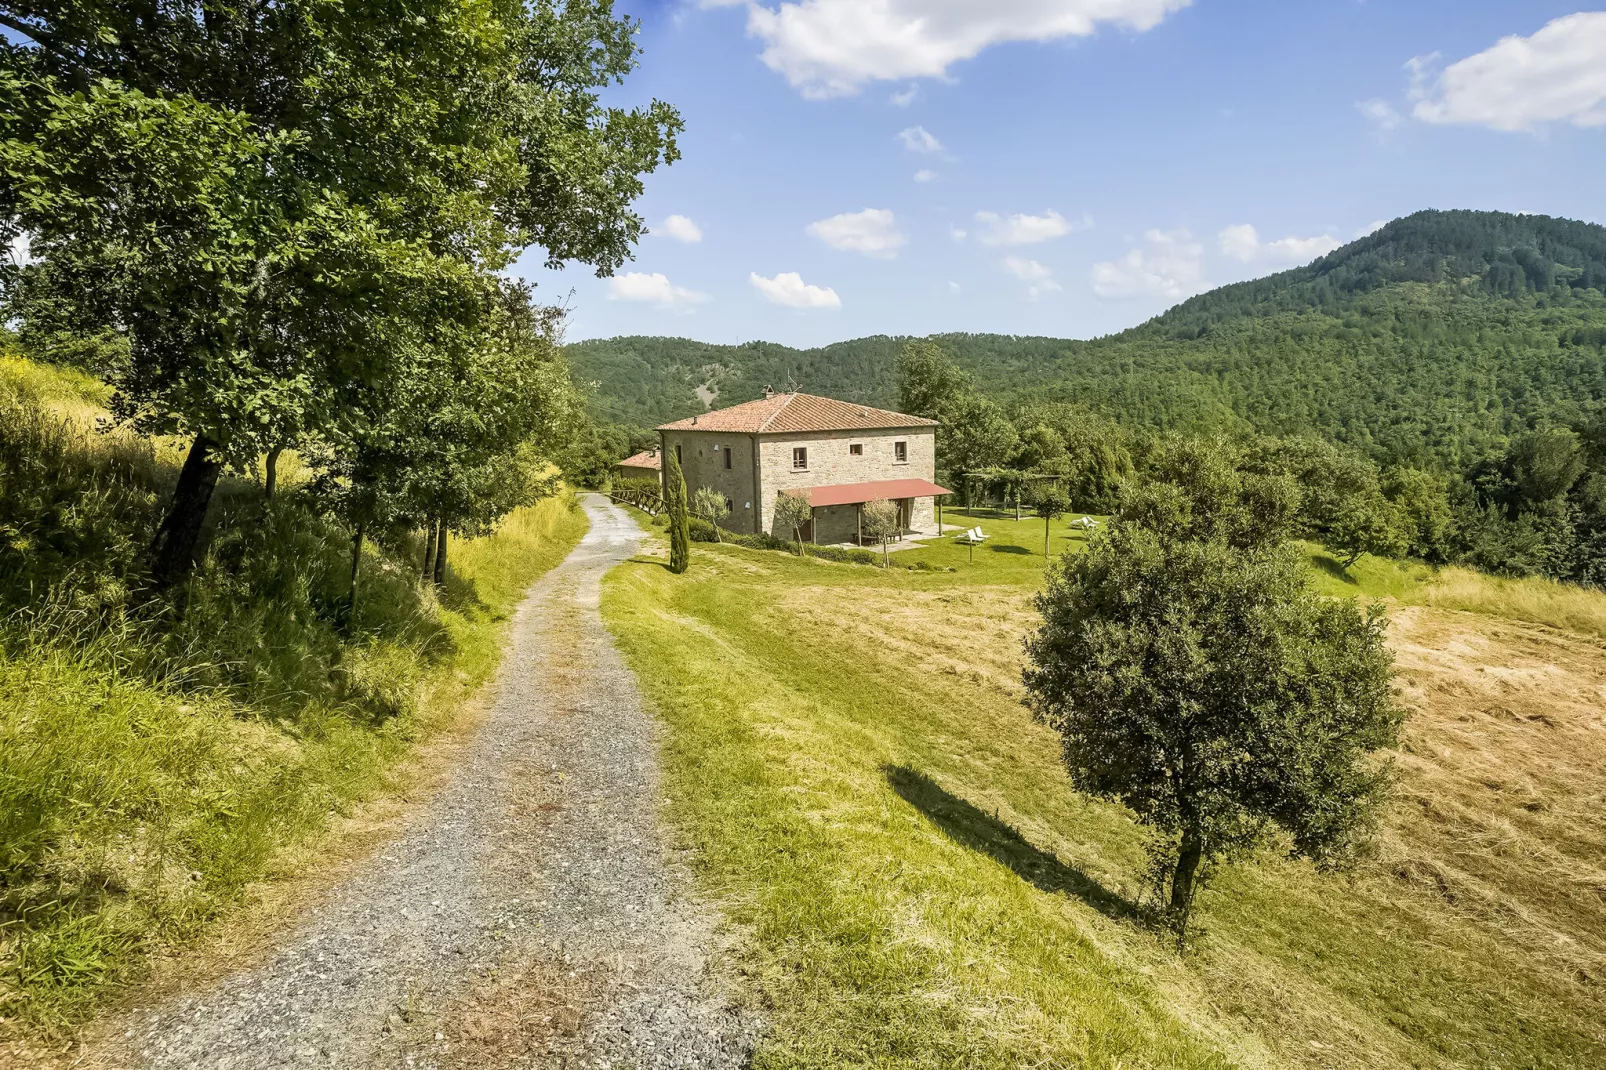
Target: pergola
pixel 1013 480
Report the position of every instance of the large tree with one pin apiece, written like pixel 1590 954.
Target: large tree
pixel 1194 675
pixel 278 203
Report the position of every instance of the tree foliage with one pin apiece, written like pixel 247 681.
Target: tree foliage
pixel 289 210
pixel 879 518
pixel 1194 676
pixel 679 509
pixel 710 505
pixel 792 513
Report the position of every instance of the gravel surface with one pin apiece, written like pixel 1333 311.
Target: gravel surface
pixel 529 915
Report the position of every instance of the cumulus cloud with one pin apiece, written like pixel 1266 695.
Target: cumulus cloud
pixel 1242 242
pixel 828 48
pixel 919 139
pixel 1039 279
pixel 1371 228
pixel 905 97
pixel 654 289
pixel 1557 75
pixel 873 232
pixel 1168 264
pixel 789 289
pixel 925 176
pixel 681 229
pixel 1021 229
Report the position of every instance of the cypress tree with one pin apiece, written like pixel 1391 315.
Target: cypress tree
pixel 679 521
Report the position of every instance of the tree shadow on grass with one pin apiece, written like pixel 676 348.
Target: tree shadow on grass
pixel 658 561
pixel 1326 564
pixel 1011 550
pixel 971 827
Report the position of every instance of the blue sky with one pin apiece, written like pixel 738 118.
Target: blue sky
pixel 856 167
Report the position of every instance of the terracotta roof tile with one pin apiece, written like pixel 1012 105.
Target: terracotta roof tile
pixel 644 459
pixel 794 413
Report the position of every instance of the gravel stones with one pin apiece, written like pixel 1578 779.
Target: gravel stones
pixel 529 915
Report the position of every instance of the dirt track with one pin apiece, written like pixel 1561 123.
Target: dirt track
pixel 529 914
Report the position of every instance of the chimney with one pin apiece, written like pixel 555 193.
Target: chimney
pixel 769 392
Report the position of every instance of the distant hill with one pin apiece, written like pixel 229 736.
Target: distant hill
pixel 1432 339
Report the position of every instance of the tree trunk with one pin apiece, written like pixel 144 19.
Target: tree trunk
pixel 440 555
pixel 1046 522
pixel 270 478
pixel 356 564
pixel 1183 879
pixel 173 550
pixel 429 551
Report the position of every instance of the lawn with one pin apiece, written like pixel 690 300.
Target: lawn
pixel 914 883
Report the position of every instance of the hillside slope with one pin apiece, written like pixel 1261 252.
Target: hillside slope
pixel 1432 339
pixel 915 882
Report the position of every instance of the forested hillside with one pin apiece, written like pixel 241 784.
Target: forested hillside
pixel 1431 341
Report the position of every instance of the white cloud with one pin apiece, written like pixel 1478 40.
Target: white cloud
pixel 925 176
pixel 1381 114
pixel 1371 228
pixel 905 97
pixel 955 288
pixel 1167 264
pixel 1021 229
pixel 957 233
pixel 788 288
pixel 919 139
pixel 1242 242
pixel 873 232
pixel 829 48
pixel 681 229
pixel 1039 279
pixel 19 250
pixel 1557 75
pixel 652 289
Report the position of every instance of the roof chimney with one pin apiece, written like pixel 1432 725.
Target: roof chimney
pixel 769 392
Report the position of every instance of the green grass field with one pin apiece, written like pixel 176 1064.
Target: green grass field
pixel 914 883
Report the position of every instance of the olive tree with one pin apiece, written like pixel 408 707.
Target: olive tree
pixel 709 504
pixel 880 519
pixel 1194 676
pixel 793 513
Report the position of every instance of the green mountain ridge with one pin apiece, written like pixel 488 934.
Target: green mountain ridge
pixel 1432 340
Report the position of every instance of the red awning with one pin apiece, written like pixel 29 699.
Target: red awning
pixel 855 493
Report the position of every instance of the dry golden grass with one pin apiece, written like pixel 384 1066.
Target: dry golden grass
pixel 1573 609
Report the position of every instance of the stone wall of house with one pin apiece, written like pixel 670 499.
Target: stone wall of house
pixel 831 463
pixel 702 461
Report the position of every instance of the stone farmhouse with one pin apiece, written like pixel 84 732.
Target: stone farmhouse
pixel 643 465
pixel 836 454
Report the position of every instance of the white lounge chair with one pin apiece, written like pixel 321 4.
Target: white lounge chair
pixel 1086 523
pixel 974 536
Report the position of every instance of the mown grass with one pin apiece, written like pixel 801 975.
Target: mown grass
pixel 153 763
pixel 917 885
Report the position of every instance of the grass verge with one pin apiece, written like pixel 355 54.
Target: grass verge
pixel 153 765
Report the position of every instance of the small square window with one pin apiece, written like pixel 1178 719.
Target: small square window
pixel 900 452
pixel 856 449
pixel 800 458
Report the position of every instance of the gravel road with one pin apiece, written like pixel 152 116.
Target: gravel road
pixel 529 915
